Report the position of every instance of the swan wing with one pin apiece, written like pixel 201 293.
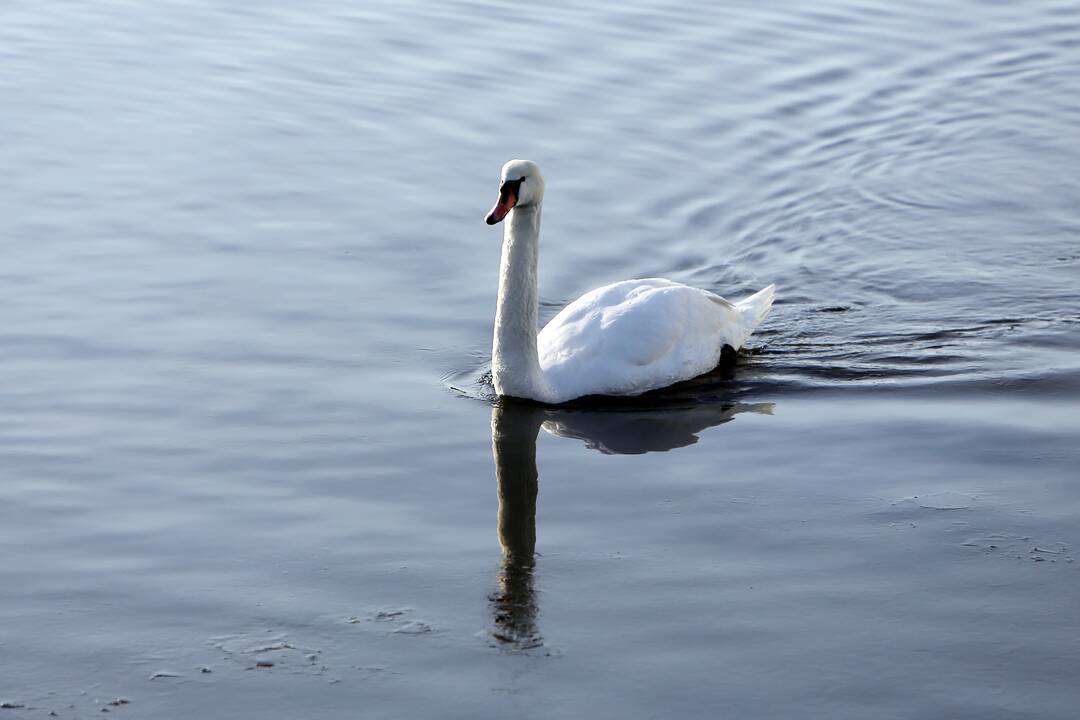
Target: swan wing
pixel 636 335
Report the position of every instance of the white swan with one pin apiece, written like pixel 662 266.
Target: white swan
pixel 620 339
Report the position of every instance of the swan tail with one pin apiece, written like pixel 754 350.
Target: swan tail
pixel 754 308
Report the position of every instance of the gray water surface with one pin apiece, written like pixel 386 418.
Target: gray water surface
pixel 250 465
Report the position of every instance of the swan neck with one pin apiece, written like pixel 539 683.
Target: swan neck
pixel 515 365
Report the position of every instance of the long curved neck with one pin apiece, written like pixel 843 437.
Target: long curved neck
pixel 515 366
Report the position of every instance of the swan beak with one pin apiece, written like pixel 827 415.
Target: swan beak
pixel 506 202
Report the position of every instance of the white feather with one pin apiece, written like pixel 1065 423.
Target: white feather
pixel 638 335
pixel 621 339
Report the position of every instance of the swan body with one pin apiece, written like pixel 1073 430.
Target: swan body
pixel 621 339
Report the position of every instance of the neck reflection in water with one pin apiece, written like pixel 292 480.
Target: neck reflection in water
pixel 514 427
pixel 513 444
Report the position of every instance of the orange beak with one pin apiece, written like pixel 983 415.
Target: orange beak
pixel 507 200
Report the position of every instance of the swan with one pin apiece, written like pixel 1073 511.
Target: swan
pixel 621 339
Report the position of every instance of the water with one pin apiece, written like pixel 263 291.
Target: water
pixel 249 468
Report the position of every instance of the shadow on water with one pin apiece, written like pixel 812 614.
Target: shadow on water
pixel 632 430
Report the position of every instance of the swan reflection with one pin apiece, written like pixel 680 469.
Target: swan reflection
pixel 514 428
pixel 513 445
pixel 634 432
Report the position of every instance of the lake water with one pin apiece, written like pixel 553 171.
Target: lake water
pixel 249 468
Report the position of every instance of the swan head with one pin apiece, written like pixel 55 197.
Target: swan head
pixel 520 185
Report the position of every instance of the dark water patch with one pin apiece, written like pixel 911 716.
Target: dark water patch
pixel 807 82
pixel 46 347
pixel 1024 58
